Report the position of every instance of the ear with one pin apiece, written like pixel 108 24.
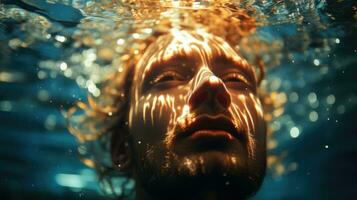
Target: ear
pixel 120 152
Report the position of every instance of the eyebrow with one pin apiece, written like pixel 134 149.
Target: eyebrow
pixel 240 63
pixel 175 60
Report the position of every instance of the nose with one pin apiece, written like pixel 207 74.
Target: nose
pixel 210 91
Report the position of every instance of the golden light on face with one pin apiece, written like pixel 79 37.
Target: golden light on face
pixel 195 109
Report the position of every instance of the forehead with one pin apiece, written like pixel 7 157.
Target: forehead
pixel 199 47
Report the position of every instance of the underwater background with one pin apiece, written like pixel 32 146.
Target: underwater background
pixel 44 71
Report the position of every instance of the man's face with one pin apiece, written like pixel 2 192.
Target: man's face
pixel 195 119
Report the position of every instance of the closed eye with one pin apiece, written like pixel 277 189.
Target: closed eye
pixel 234 78
pixel 168 76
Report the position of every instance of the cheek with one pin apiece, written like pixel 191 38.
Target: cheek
pixel 152 116
pixel 248 115
pixel 248 109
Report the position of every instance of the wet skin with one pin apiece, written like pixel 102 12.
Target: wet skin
pixel 195 121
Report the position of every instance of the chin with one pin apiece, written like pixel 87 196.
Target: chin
pixel 225 173
pixel 211 163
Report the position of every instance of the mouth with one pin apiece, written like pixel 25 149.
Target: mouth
pixel 211 126
pixel 209 133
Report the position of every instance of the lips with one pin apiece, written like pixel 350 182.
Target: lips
pixel 204 134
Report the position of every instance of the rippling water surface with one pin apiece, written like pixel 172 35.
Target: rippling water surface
pixel 55 52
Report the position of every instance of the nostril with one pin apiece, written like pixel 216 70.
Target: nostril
pixel 223 98
pixel 197 98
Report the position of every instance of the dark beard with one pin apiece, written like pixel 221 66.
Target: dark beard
pixel 195 176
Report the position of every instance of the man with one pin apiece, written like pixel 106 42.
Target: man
pixel 195 127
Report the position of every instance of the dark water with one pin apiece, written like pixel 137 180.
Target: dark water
pixel 43 73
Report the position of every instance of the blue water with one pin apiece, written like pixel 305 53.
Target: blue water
pixel 38 157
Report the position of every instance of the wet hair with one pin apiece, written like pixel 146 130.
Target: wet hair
pixel 94 124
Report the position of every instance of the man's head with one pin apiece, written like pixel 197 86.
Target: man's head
pixel 195 123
